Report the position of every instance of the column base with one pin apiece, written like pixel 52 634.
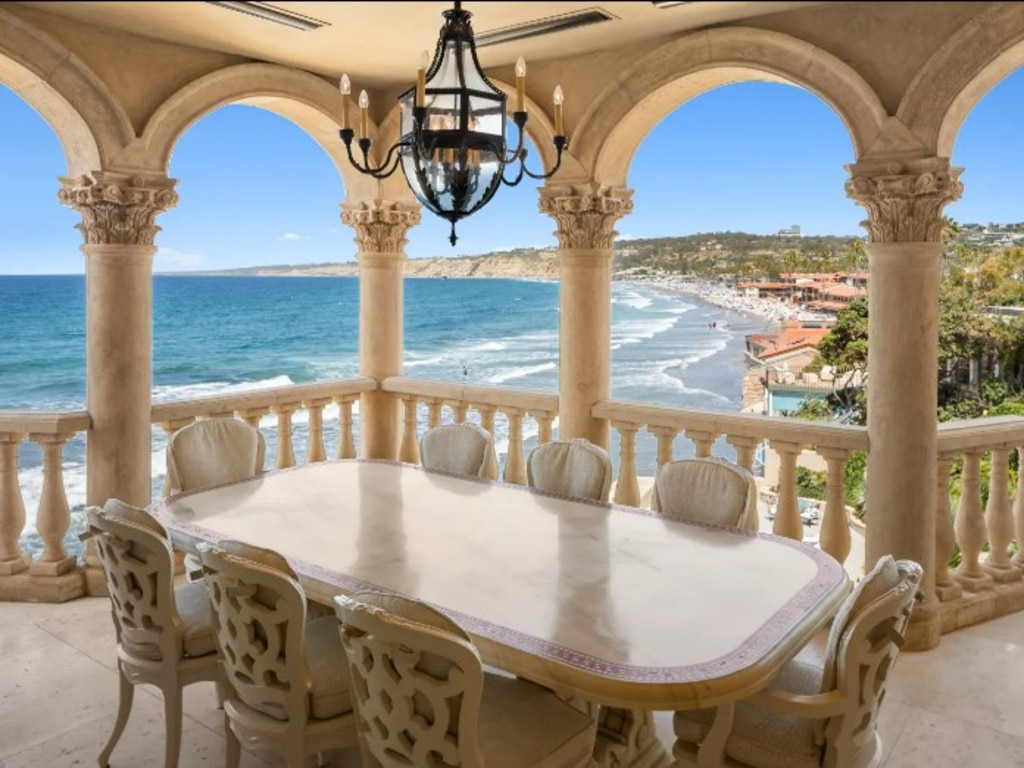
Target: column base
pixel 925 627
pixel 95 581
pixel 27 588
pixel 628 739
pixel 17 565
pixel 50 568
pixel 948 592
pixel 1007 573
pixel 974 582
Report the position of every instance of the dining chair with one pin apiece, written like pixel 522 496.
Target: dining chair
pixel 288 684
pixel 575 467
pixel 458 449
pixel 822 715
pixel 164 633
pixel 708 491
pixel 424 700
pixel 213 452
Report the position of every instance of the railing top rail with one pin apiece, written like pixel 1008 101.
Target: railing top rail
pixel 260 398
pixel 44 422
pixel 526 399
pixel 782 429
pixel 995 432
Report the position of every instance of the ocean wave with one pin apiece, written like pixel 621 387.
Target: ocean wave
pixel 633 300
pixel 633 331
pixel 171 392
pixel 487 346
pixel 519 373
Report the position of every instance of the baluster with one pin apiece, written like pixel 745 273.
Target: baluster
pixel 54 517
pixel 434 406
pixel 544 420
pixel 945 539
pixel 1018 510
pixel 746 448
pixel 253 416
pixel 666 436
pixel 487 422
pixel 346 442
pixel 12 507
pixel 173 425
pixel 702 442
pixel 834 536
pixel 285 455
pixel 627 488
pixel 410 451
pixel 787 513
pixel 459 411
pixel 999 519
pixel 315 442
pixel 970 527
pixel 515 468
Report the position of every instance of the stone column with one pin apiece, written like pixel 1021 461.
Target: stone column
pixel 904 203
pixel 585 215
pixel 118 213
pixel 380 227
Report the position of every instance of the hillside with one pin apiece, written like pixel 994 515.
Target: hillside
pixel 700 254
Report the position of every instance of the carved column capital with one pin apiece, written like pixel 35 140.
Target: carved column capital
pixel 118 208
pixel 904 200
pixel 586 213
pixel 380 225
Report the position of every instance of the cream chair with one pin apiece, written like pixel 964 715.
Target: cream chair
pixel 707 491
pixel 164 634
pixel 458 449
pixel 574 467
pixel 424 700
pixel 212 452
pixel 822 715
pixel 288 678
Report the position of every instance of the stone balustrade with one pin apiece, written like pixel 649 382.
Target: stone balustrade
pixel 283 402
pixel 514 405
pixel 789 438
pixel 53 575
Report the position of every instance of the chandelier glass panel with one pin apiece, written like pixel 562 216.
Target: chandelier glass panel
pixel 452 147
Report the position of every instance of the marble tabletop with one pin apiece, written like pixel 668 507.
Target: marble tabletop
pixel 611 603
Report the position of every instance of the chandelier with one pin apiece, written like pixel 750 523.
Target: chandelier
pixel 452 148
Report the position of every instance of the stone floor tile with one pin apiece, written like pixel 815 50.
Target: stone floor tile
pixel 936 741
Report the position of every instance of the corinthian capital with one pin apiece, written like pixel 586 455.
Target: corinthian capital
pixel 118 208
pixel 586 214
pixel 904 200
pixel 380 225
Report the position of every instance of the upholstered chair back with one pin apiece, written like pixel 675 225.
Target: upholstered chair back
pixel 707 491
pixel 459 449
pixel 213 452
pixel 574 467
pixel 417 679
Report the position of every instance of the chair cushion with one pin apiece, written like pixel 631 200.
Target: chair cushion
pixel 883 577
pixel 212 452
pixel 522 724
pixel 329 695
pixel 571 468
pixel 705 490
pixel 460 449
pixel 118 510
pixel 193 603
pixel 761 738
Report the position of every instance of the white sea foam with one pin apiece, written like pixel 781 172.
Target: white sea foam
pixel 634 300
pixel 211 388
pixel 519 373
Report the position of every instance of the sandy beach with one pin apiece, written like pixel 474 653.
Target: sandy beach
pixel 770 310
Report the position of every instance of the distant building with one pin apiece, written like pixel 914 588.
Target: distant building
pixel 793 229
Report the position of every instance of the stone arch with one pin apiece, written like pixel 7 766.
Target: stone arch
pixel 625 112
pixel 88 122
pixel 307 100
pixel 958 75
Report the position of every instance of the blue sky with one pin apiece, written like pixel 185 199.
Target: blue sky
pixel 256 190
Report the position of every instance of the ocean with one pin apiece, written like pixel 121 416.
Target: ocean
pixel 215 335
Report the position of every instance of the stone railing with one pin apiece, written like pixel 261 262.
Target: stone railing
pixel 984 584
pixel 515 405
pixel 283 402
pixel 789 438
pixel 53 575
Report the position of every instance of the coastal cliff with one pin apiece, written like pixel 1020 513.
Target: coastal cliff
pixel 518 263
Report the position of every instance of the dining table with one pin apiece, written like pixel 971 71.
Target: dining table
pixel 611 604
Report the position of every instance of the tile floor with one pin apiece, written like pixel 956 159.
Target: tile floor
pixel 959 706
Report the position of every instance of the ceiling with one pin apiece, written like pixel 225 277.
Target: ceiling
pixel 379 43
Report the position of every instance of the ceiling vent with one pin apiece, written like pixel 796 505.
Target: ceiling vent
pixel 543 27
pixel 277 15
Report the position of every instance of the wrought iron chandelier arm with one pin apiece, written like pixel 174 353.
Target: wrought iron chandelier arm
pixel 385 169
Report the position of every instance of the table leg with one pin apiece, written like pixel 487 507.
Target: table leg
pixel 711 752
pixel 627 738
